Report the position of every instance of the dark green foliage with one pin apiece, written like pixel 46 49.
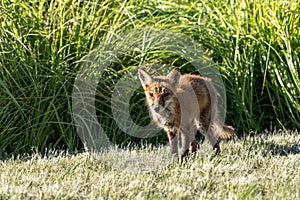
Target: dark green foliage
pixel 255 46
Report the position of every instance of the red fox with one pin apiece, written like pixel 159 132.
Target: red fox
pixel 184 104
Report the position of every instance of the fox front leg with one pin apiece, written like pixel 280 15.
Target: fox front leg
pixel 173 140
pixel 188 142
pixel 188 146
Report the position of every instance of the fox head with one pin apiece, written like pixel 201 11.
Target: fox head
pixel 159 91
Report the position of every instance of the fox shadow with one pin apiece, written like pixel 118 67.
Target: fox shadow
pixel 290 148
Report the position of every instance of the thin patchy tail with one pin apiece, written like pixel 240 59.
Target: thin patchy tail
pixel 227 133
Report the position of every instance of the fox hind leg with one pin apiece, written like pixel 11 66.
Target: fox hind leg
pixel 208 131
pixel 194 146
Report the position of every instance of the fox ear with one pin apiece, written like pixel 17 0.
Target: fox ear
pixel 145 78
pixel 174 76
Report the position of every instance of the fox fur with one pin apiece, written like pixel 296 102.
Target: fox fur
pixel 184 104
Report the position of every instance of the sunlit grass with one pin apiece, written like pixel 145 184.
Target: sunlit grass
pixel 263 167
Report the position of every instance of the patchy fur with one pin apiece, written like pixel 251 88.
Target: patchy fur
pixel 183 104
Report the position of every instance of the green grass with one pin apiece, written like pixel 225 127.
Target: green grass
pixel 255 45
pixel 43 45
pixel 260 167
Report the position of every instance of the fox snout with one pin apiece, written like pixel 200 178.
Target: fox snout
pixel 158 108
pixel 158 104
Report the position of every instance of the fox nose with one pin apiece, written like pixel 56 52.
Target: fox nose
pixel 157 108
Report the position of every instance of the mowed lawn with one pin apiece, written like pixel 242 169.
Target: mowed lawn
pixel 265 166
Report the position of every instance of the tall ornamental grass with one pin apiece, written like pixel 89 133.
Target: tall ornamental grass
pixel 255 45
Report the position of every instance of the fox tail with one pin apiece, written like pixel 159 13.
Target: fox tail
pixel 227 133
